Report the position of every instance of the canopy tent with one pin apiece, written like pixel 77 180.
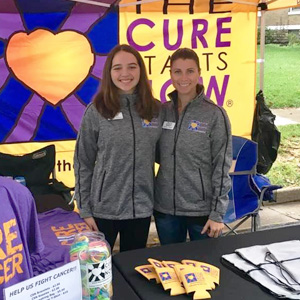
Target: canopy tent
pixel 279 4
pixel 52 54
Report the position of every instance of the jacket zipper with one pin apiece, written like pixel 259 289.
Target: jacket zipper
pixel 202 184
pixel 133 169
pixel 174 149
pixel 102 183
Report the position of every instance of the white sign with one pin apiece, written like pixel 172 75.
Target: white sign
pixel 168 125
pixel 118 116
pixel 63 283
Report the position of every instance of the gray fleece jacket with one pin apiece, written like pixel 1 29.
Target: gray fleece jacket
pixel 114 163
pixel 195 157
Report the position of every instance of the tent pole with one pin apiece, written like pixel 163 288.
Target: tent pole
pixel 262 49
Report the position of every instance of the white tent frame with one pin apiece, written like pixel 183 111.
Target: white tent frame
pixel 262 48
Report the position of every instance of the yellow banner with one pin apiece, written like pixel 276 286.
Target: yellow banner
pixel 225 44
pixel 191 7
pixel 222 33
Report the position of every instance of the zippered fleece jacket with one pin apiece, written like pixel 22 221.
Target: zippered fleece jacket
pixel 195 152
pixel 114 163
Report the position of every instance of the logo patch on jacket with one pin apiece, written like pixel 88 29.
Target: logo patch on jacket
pixel 197 126
pixel 150 124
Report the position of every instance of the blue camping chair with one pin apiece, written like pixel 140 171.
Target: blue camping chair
pixel 263 187
pixel 248 189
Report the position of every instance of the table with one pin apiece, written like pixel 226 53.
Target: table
pixel 122 290
pixel 232 286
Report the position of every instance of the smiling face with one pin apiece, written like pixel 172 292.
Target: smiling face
pixel 185 77
pixel 125 72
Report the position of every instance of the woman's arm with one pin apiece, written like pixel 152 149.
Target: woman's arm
pixel 221 147
pixel 84 160
pixel 90 221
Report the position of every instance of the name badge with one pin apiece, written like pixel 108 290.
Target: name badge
pixel 118 116
pixel 168 125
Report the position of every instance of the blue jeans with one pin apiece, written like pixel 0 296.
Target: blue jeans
pixel 173 229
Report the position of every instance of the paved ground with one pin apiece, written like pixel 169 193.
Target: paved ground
pixel 285 116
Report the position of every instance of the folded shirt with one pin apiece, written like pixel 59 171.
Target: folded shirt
pixel 58 228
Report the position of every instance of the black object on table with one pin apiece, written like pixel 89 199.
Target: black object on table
pixel 232 286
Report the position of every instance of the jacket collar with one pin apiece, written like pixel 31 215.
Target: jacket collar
pixel 200 93
pixel 131 98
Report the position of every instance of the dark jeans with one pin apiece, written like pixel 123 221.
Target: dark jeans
pixel 133 232
pixel 173 229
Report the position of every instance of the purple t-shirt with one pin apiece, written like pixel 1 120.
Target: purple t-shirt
pixel 58 228
pixel 19 233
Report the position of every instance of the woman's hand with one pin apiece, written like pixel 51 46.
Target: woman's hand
pixel 212 228
pixel 91 223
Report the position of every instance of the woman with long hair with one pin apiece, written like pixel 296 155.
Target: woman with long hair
pixel 192 185
pixel 115 152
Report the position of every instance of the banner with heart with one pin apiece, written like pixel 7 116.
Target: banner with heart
pixel 52 65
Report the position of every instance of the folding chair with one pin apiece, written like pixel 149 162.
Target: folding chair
pixel 38 169
pixel 248 189
pixel 264 188
pixel 243 201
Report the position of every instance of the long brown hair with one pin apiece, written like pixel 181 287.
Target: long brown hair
pixel 186 53
pixel 107 99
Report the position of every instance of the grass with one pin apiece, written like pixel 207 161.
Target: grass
pixel 282 75
pixel 282 89
pixel 286 169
